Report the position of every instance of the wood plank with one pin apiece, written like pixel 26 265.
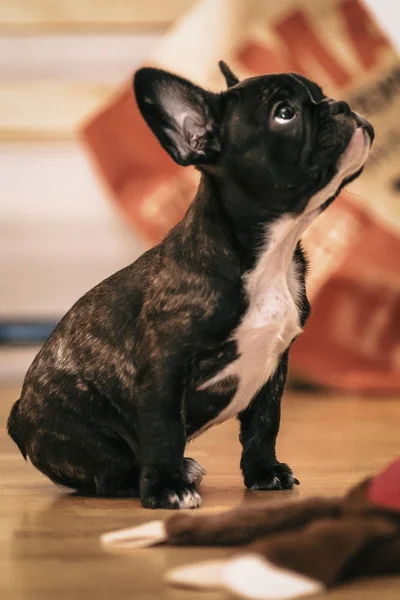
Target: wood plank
pixel 51 264
pixel 97 58
pixel 45 111
pixel 91 15
pixel 59 229
pixel 331 442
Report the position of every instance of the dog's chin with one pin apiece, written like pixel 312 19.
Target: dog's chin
pixel 349 167
pixel 355 154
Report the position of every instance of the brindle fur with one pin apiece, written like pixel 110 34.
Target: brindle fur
pixel 111 399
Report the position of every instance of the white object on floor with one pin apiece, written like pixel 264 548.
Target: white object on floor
pixel 251 576
pixel 204 575
pixel 246 576
pixel 143 536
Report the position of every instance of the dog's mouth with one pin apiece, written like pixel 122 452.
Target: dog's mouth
pixel 349 166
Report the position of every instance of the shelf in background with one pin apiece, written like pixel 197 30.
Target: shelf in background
pixel 48 111
pixel 33 16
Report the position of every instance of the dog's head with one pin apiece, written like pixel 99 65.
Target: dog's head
pixel 278 138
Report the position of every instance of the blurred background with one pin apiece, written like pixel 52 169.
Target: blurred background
pixel 60 231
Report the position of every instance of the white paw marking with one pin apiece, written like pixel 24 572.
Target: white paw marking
pixel 190 500
pixel 194 472
pixel 173 499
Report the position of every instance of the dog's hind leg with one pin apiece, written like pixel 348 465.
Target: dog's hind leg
pixel 93 462
pixel 105 476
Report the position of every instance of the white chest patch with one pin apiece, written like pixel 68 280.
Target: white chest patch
pixel 272 319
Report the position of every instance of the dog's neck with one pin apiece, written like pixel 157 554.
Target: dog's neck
pixel 222 216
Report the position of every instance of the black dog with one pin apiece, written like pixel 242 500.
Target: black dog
pixel 198 329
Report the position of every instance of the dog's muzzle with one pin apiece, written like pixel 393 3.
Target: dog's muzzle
pixel 342 108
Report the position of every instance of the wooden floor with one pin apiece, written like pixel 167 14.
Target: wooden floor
pixel 49 540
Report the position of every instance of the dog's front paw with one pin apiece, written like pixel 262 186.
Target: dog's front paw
pixel 277 476
pixel 193 472
pixel 177 494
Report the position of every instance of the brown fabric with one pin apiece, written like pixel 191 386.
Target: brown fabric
pixel 322 549
pixel 330 540
pixel 245 524
pixel 358 501
pixel 373 560
pixel 352 339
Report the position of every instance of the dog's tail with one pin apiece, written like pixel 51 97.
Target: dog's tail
pixel 14 428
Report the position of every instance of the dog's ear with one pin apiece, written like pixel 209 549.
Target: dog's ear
pixel 183 116
pixel 230 78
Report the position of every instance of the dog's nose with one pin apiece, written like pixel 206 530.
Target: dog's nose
pixel 361 122
pixel 339 107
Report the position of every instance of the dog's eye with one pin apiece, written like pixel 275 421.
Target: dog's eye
pixel 284 113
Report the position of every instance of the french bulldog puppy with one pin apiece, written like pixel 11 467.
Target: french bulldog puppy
pixel 198 329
